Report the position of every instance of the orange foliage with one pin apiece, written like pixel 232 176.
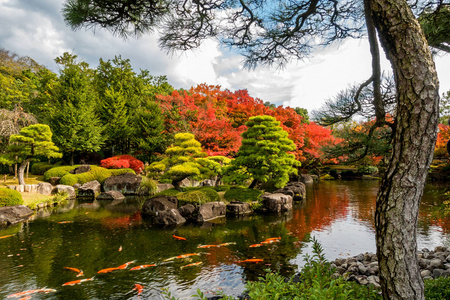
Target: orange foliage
pixel 442 138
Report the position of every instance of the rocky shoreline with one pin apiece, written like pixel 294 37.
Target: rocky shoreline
pixel 363 268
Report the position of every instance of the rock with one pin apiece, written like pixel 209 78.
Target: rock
pixel 189 183
pixel 187 211
pixel 11 187
pixel 425 273
pixel 10 215
pixel 375 281
pixel 296 190
pixel 67 189
pixel 169 217
pixel 81 169
pixel 447 266
pixel 440 249
pixel 163 186
pixel 238 208
pixel 211 210
pixel 44 188
pixel 439 273
pixel 435 263
pixel 20 188
pixel 90 189
pixel 277 203
pixel 76 186
pixel 306 179
pixel 54 180
pixel 127 184
pixel 111 196
pixel 152 206
pixel 208 182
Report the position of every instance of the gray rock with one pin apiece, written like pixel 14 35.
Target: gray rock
pixel 296 190
pixel 20 188
pixel 10 215
pixel 90 189
pixel 306 179
pixel 425 273
pixel 438 273
pixel 210 211
pixel 374 280
pixel 44 188
pixel 187 182
pixel 277 203
pixel 238 208
pixel 435 263
pixel 11 187
pixel 187 211
pixel 163 186
pixel 127 184
pixel 359 257
pixel 54 180
pixel 440 249
pixel 152 206
pixel 111 196
pixel 67 189
pixel 447 266
pixel 81 169
pixel 169 217
pixel 208 182
pixel 424 263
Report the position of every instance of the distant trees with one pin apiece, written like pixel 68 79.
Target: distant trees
pixel 265 155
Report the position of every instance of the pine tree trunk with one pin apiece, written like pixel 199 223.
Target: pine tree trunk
pixel 21 172
pixel 413 143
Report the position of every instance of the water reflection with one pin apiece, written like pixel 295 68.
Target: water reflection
pixel 99 234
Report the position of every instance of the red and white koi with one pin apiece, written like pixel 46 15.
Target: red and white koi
pixel 191 265
pixel 80 272
pixel 43 290
pixel 65 222
pixel 124 266
pixel 250 260
pixel 77 281
pixel 139 288
pixel 216 246
pixel 142 267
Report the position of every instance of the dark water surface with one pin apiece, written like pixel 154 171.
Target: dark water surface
pixel 98 235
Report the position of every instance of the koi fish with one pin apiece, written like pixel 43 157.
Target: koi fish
pixel 255 245
pixel 80 272
pixel 77 281
pixel 139 288
pixel 227 244
pixel 6 236
pixel 26 298
pixel 65 222
pixel 253 260
pixel 274 239
pixel 207 246
pixel 43 290
pixel 124 266
pixel 120 248
pixel 191 265
pixel 178 237
pixel 188 255
pixel 107 270
pixel 142 267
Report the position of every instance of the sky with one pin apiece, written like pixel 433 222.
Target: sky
pixel 36 29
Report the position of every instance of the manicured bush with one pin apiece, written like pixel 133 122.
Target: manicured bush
pixel 123 162
pixel 39 168
pixel 96 173
pixel 198 196
pixel 58 171
pixel 148 186
pixel 10 197
pixel 436 289
pixel 242 194
pixel 69 179
pixel 168 192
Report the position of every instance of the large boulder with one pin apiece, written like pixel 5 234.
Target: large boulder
pixel 306 179
pixel 81 169
pixel 187 182
pixel 44 188
pixel 90 189
pixel 127 184
pixel 54 180
pixel 163 186
pixel 10 215
pixel 211 210
pixel 111 195
pixel 67 189
pixel 30 188
pixel 238 208
pixel 187 211
pixel 277 202
pixel 152 206
pixel 296 190
pixel 169 217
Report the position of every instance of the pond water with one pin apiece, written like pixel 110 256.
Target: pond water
pixel 92 236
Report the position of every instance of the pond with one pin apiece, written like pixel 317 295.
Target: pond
pixel 93 236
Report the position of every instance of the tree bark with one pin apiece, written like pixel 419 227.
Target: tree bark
pixel 413 143
pixel 21 171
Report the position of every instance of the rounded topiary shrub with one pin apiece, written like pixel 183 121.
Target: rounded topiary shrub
pixel 39 168
pixel 58 171
pixel 242 194
pixel 123 162
pixel 69 179
pixel 198 196
pixel 10 197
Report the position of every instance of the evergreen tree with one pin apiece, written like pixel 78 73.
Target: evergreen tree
pixel 264 154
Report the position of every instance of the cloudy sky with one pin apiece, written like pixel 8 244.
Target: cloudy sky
pixel 36 29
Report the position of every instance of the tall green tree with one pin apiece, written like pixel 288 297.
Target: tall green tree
pixel 266 32
pixel 32 141
pixel 73 117
pixel 264 154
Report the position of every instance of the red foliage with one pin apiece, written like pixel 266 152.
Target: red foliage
pixel 442 138
pixel 122 162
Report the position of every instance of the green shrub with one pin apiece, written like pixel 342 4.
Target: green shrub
pixel 39 168
pixel 10 197
pixel 198 196
pixel 242 194
pixel 222 188
pixel 168 192
pixel 148 186
pixel 96 173
pixel 69 179
pixel 326 177
pixel 437 289
pixel 58 172
pixel 367 170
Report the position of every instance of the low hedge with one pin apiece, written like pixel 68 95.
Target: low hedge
pixel 10 197
pixel 39 168
pixel 242 194
pixel 58 172
pixel 96 173
pixel 198 195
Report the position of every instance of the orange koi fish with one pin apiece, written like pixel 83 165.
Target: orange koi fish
pixel 65 222
pixel 43 290
pixel 142 267
pixel 6 236
pixel 124 266
pixel 227 244
pixel 120 248
pixel 207 246
pixel 191 265
pixel 253 260
pixel 255 245
pixel 77 281
pixel 80 272
pixel 107 270
pixel 139 288
pixel 179 238
pixel 188 255
pixel 26 298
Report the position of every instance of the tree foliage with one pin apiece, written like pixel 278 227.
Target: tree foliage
pixel 265 155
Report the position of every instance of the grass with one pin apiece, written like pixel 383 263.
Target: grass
pixel 32 179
